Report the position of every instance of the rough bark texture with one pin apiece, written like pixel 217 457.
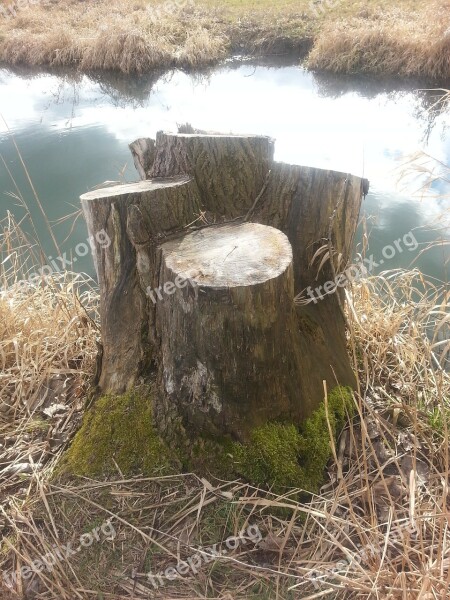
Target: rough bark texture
pixel 135 217
pixel 229 336
pixel 198 334
pixel 229 170
pixel 143 152
pixel 314 207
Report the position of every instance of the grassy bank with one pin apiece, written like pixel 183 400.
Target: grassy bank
pixel 377 529
pixel 407 38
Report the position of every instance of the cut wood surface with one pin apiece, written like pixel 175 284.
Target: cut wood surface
pixel 229 256
pixel 143 152
pixel 232 338
pixel 229 334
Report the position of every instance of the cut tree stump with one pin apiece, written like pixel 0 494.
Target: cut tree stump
pixel 228 354
pixel 135 217
pixel 229 333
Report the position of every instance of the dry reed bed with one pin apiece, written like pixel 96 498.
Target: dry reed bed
pixel 378 529
pixel 139 36
pixel 393 43
pixel 47 354
pixel 111 36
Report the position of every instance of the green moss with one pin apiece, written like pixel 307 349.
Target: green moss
pixel 207 455
pixel 281 455
pixel 118 429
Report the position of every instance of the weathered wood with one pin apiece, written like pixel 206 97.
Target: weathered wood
pixel 310 206
pixel 229 170
pixel 143 152
pixel 135 218
pixel 241 345
pixel 229 352
pixel 307 204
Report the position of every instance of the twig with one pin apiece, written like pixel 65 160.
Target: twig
pixel 258 197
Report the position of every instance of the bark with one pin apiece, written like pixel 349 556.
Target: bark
pixel 135 218
pixel 316 207
pixel 245 348
pixel 143 152
pixel 229 170
pixel 229 337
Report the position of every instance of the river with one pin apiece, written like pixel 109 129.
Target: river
pixel 73 133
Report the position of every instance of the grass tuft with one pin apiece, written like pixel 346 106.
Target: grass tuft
pixel 392 44
pixel 404 38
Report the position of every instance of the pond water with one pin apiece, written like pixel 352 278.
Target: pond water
pixel 73 133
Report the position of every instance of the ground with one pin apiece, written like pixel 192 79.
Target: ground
pixel 377 528
pixel 408 37
pixel 118 433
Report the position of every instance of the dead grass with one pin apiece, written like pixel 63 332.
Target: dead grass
pixel 127 37
pixel 378 529
pixel 394 44
pixel 407 38
pixel 47 355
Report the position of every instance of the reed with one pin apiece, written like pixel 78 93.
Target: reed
pixel 403 38
pixel 389 44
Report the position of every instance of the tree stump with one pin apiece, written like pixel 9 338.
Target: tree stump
pixel 134 217
pixel 231 349
pixel 229 333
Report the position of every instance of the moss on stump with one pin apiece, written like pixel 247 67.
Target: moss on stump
pixel 120 429
pixel 282 455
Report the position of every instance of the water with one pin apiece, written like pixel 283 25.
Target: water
pixel 73 133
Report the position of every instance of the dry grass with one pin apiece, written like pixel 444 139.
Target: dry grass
pixel 47 354
pixel 139 36
pixel 111 36
pixel 391 44
pixel 378 529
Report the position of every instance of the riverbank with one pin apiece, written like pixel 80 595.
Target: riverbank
pixel 374 37
pixel 379 522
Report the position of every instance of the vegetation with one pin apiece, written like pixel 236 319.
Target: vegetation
pixel 281 456
pixel 377 522
pixel 377 527
pixel 408 37
pixel 118 434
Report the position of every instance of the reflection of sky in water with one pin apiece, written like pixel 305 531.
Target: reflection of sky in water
pixel 74 136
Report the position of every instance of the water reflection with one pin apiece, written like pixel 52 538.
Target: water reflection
pixel 73 131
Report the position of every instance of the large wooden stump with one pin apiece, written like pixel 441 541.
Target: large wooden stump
pixel 227 353
pixel 229 333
